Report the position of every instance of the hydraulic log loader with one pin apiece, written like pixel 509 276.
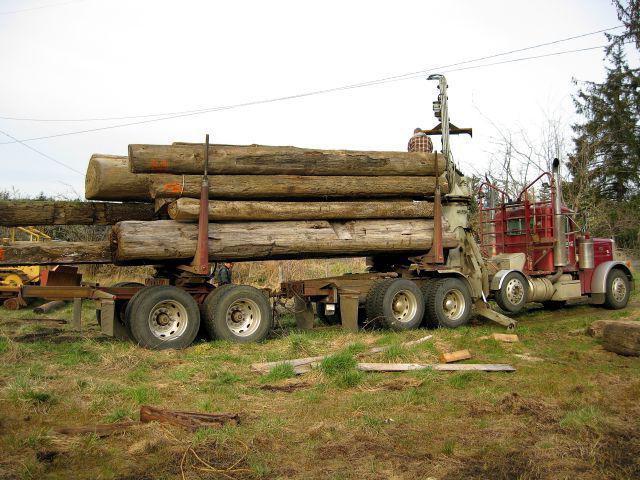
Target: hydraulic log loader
pixel 529 250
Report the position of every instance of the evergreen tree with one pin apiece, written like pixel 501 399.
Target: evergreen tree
pixel 629 15
pixel 607 154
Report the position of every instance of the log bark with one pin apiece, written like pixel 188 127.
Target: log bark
pixel 108 178
pixel 187 209
pixel 49 307
pixel 622 338
pixel 17 213
pixel 54 253
pixel 292 186
pixel 181 158
pixel 144 242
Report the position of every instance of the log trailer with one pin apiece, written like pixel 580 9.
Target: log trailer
pixel 527 249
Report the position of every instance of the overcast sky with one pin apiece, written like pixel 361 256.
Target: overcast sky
pixel 117 58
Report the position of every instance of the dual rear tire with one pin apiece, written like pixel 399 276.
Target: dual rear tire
pixel 400 304
pixel 167 317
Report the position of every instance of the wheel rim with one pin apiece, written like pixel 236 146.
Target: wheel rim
pixel 454 304
pixel 243 317
pixel 618 289
pixel 515 291
pixel 168 320
pixel 404 306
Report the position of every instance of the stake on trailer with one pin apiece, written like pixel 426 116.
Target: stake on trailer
pixel 200 262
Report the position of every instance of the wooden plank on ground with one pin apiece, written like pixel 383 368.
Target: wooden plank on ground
pixel 300 362
pixel 405 367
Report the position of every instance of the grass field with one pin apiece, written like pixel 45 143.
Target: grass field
pixel 571 410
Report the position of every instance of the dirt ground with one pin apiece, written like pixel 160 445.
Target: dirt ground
pixel 571 410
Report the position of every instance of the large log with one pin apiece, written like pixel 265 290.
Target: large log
pixel 181 158
pixel 145 242
pixel 17 213
pixel 54 253
pixel 293 186
pixel 187 209
pixel 108 178
pixel 622 337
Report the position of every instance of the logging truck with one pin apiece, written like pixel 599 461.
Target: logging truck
pixel 527 249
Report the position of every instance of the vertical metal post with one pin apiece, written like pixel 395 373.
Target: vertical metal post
pixel 201 259
pixel 76 321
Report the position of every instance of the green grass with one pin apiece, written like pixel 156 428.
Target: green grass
pixel 589 417
pixel 340 422
pixel 338 363
pixel 142 394
pixel 279 372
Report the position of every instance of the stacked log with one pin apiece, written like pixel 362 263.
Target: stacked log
pixel 22 213
pixel 265 203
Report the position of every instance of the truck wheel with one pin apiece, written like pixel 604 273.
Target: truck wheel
pixel 427 292
pixel 449 302
pixel 333 319
pixel 162 317
pixel 617 292
pixel 512 296
pixel 239 314
pixel 121 305
pixel 398 302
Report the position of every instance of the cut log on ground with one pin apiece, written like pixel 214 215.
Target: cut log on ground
pixel 187 210
pixel 54 253
pixel 292 186
pixel 181 158
pixel 161 240
pixel 20 213
pixel 454 356
pixel 622 338
pixel 596 329
pixel 189 420
pixel 49 307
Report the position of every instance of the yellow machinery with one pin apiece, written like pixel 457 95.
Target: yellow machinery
pixel 17 276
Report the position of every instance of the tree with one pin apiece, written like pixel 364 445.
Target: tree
pixel 629 15
pixel 607 146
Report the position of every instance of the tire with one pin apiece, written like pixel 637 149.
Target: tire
pixel 397 302
pixel 163 317
pixel 427 292
pixel 121 305
pixel 438 304
pixel 334 319
pixel 512 296
pixel 240 314
pixel 617 290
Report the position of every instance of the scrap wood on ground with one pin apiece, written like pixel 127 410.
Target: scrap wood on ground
pixel 189 420
pixel 305 365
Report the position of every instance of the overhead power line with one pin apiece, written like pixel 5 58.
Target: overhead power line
pixel 318 92
pixel 291 97
pixel 12 12
pixel 42 154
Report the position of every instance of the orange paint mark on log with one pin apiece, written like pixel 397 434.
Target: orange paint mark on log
pixel 173 187
pixel 159 164
pixel 1 253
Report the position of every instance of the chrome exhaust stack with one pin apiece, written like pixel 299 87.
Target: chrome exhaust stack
pixel 560 257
